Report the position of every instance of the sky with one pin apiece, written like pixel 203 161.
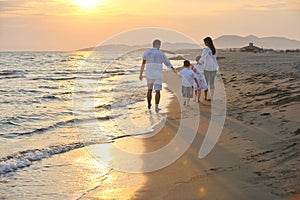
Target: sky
pixel 66 25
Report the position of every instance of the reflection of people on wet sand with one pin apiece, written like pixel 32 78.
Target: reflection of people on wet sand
pixel 154 59
pixel 209 60
pixel 188 78
pixel 199 71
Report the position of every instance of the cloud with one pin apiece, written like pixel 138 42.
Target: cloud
pixel 9 8
pixel 24 7
pixel 270 5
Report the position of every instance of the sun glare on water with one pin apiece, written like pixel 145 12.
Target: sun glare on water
pixel 87 4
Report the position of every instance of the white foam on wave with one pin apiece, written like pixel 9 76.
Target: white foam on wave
pixel 24 159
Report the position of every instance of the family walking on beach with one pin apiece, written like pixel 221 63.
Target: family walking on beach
pixel 194 78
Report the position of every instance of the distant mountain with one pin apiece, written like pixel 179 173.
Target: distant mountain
pixel 234 41
pixel 123 47
pixel 225 41
pixel 110 47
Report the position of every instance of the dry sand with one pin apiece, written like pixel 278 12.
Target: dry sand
pixel 258 153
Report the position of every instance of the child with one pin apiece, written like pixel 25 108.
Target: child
pixel 199 71
pixel 188 77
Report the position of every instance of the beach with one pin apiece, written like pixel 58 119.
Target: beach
pixel 257 154
pixel 59 151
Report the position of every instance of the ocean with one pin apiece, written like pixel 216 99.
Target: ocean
pixel 55 104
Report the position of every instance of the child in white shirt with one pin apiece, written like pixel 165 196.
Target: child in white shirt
pixel 199 71
pixel 188 78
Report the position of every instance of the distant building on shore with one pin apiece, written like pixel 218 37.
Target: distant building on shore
pixel 251 48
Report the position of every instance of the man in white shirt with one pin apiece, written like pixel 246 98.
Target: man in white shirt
pixel 154 59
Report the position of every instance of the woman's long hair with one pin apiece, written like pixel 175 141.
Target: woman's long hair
pixel 208 41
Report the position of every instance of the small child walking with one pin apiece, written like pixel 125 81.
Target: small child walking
pixel 188 78
pixel 199 71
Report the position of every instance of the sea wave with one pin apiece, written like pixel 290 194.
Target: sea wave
pixel 38 130
pixel 13 76
pixel 25 158
pixel 49 87
pixel 53 78
pixel 52 126
pixel 120 104
pixel 10 72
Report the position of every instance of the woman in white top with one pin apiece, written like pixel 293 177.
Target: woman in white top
pixel 209 60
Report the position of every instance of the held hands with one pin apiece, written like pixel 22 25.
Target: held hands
pixel 174 70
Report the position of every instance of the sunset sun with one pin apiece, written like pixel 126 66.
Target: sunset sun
pixel 88 4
